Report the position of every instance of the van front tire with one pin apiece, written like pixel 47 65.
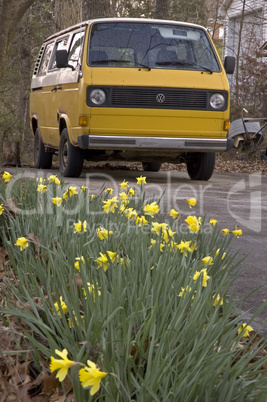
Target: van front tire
pixel 200 165
pixel 42 159
pixel 70 158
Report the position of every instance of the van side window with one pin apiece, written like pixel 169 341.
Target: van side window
pixel 76 46
pixel 46 58
pixel 60 45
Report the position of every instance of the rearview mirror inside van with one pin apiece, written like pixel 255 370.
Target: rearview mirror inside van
pixel 62 59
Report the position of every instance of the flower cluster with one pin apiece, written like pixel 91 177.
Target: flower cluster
pixel 97 266
pixel 90 375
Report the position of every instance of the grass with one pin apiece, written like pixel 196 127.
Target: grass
pixel 126 312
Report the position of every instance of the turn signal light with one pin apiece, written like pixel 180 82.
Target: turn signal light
pixel 83 121
pixel 226 125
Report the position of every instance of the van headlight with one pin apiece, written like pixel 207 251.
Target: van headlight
pixel 217 101
pixel 98 96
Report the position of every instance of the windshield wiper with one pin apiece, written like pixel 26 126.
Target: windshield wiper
pixel 106 61
pixel 130 61
pixel 183 63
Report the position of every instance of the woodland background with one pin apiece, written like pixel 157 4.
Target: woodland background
pixel 26 23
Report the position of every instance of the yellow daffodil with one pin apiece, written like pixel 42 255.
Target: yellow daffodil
pixel 225 231
pixel 41 188
pixel 123 196
pixel 109 190
pixel 154 242
pixel 218 251
pixel 63 306
pixel 131 192
pixel 191 202
pixel 80 226
pixel 207 260
pixel 124 185
pixel 40 180
pixel 194 223
pixel 62 365
pixel 54 179
pixel 91 377
pixel 7 176
pixel 103 233
pixel 83 188
pixel 65 195
pixel 141 180
pixel 110 205
pixel 130 213
pixel 77 262
pixel 103 260
pixel 174 214
pixel 57 201
pixel 141 220
pixel 237 232
pixel 185 291
pixel 217 299
pixel 22 242
pixel 91 196
pixel 213 222
pixel 193 246
pixel 205 276
pixel 168 235
pixel 151 209
pixel 184 247
pixel 72 191
pixel 246 328
pixel 91 290
pixel 159 227
pixel 1 209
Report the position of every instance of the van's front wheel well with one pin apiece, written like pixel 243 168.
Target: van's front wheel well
pixel 34 125
pixel 62 125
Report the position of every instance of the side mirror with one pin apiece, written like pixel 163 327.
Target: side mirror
pixel 229 64
pixel 62 59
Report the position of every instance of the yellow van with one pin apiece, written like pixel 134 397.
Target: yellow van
pixel 131 90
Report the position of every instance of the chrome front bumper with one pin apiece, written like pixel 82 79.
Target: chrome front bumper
pixel 86 141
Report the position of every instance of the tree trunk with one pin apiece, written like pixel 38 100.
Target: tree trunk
pixel 97 9
pixel 11 153
pixel 162 9
pixel 68 13
pixel 11 13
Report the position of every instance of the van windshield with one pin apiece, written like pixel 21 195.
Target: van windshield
pixel 151 45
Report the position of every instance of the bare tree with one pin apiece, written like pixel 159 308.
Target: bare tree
pixel 11 13
pixel 162 9
pixel 67 13
pixel 97 8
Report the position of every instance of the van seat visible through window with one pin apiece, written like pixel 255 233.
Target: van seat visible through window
pixel 165 55
pixel 98 56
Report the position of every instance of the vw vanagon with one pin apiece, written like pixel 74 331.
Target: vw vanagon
pixel 131 90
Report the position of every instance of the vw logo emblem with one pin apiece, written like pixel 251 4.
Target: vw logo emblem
pixel 160 98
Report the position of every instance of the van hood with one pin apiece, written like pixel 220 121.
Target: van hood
pixel 158 78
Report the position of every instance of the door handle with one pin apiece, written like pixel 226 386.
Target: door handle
pixel 58 87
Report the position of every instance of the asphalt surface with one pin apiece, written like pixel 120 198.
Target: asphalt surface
pixel 231 198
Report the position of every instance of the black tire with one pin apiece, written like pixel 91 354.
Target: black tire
pixel 70 157
pixel 151 166
pixel 200 165
pixel 42 159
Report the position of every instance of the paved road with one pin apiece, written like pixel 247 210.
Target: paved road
pixel 228 197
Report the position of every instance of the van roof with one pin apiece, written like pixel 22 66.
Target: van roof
pixel 140 20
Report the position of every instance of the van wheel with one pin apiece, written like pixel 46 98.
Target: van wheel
pixel 70 157
pixel 151 166
pixel 42 159
pixel 200 165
